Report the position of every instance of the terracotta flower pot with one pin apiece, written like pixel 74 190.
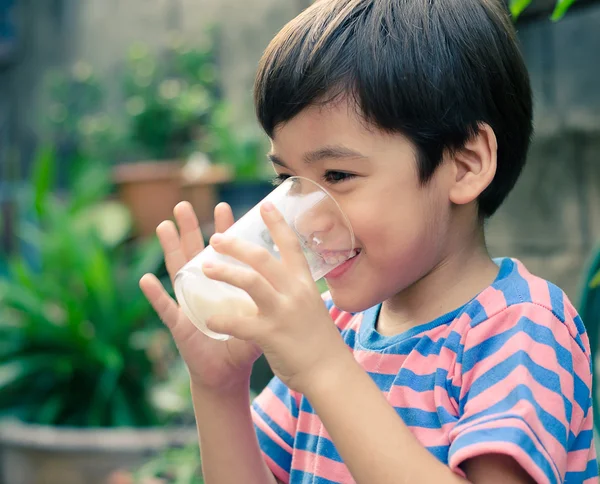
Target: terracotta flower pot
pixel 150 190
pixel 35 454
pixel 202 191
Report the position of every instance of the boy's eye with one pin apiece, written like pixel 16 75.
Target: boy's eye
pixel 337 176
pixel 329 177
pixel 279 179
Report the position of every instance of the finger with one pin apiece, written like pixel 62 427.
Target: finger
pixel 244 328
pixel 190 235
pixel 223 217
pixel 163 304
pixel 169 241
pixel 257 287
pixel 284 237
pixel 257 257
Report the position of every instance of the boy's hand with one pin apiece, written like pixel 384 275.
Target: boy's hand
pixel 213 365
pixel 293 326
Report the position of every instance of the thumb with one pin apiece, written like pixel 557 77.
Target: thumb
pixel 240 327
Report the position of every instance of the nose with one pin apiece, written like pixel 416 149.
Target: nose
pixel 316 225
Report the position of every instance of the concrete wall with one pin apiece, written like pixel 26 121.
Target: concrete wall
pixel 551 221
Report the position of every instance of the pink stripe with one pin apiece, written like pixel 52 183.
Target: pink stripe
pixel 277 410
pixel 539 353
pixel 429 401
pixel 492 300
pixel 261 424
pixel 525 410
pixel 373 362
pixel 578 460
pixel 321 467
pixel 433 437
pixel 550 401
pixel 539 291
pixel 277 471
pixel 309 423
pixel 503 447
pixel 509 318
pixel 344 320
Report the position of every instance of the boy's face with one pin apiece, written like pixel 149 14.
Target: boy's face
pixel 400 225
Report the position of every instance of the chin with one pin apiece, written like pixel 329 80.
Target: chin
pixel 352 300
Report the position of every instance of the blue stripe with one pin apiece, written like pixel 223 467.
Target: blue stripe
pixel 349 337
pixel 328 303
pixel 538 333
pixel 280 456
pixel 503 435
pixel 590 472
pixel 553 425
pixel 283 393
pixel 582 394
pixel 579 325
pixel 515 289
pixel 305 406
pixel 476 312
pixel 440 452
pixel 318 445
pixel 415 417
pixel 425 383
pixel 285 436
pixel 547 378
pixel 583 440
pixel 384 381
pixel 557 301
pixel 300 477
pixel 426 346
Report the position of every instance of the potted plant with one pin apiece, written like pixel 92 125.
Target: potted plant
pixel 80 348
pixel 169 101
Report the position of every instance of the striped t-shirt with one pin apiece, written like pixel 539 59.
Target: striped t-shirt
pixel 507 373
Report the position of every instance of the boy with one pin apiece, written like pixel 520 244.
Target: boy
pixel 416 116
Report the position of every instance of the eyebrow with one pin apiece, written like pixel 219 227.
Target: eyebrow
pixel 327 152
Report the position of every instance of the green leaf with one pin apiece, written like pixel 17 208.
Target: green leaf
pixel 595 282
pixel 518 6
pixel 561 9
pixel 44 172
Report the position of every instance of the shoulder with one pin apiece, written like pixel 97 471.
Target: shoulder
pixel 519 301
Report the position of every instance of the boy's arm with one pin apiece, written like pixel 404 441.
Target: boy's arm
pixel 228 444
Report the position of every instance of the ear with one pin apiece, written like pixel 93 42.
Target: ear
pixel 474 166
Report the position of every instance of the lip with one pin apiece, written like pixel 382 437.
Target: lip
pixel 342 269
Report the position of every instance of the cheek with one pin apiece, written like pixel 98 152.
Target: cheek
pixel 401 234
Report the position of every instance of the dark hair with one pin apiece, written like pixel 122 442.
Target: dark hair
pixel 432 70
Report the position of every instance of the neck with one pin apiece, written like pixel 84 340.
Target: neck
pixel 454 281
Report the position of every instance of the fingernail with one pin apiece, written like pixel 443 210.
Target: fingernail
pixel 208 265
pixel 216 239
pixel 268 206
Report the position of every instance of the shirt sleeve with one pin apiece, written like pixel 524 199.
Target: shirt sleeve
pixel 275 415
pixel 525 384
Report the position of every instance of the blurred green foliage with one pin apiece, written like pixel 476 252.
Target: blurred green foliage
pixel 589 309
pixel 169 98
pixel 517 7
pixel 174 466
pixel 79 344
pixel 169 106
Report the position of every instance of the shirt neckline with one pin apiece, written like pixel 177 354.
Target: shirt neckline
pixel 370 338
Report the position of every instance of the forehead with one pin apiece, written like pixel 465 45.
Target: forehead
pixel 333 123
